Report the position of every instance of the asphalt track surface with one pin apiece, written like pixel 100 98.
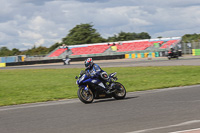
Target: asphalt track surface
pixel 170 110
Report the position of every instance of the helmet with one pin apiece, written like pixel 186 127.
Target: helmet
pixel 88 63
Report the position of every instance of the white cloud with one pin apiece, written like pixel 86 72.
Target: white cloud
pixel 27 44
pixel 2 37
pixel 25 23
pixel 140 22
pixel 39 42
pixel 37 23
pixel 29 35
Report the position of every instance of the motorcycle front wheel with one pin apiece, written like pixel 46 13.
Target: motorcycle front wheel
pixel 86 96
pixel 120 91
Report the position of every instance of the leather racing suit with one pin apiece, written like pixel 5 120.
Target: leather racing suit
pixel 95 72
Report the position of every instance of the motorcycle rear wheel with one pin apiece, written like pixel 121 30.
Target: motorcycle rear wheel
pixel 86 96
pixel 120 92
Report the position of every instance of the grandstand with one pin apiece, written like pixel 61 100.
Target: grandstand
pixel 109 50
pixel 125 46
pixel 169 43
pixel 91 49
pixel 136 45
pixel 57 52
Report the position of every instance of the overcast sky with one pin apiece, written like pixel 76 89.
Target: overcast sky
pixel 25 23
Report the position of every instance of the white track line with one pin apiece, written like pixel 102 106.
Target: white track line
pixel 40 104
pixel 165 127
pixel 184 131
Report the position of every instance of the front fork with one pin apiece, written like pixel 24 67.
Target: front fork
pixel 86 88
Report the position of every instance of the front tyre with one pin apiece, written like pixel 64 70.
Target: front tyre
pixel 86 96
pixel 120 91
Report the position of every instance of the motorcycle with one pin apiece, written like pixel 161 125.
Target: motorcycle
pixel 172 54
pixel 90 89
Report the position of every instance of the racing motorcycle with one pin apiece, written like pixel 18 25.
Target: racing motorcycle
pixel 90 89
pixel 172 54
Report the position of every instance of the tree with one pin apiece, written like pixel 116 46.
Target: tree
pixel 144 35
pixel 123 36
pixel 83 34
pixel 36 51
pixel 4 51
pixel 112 39
pixel 191 37
pixel 159 37
pixel 54 46
pixel 15 51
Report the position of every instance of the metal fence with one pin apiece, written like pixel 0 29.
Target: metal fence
pixel 187 47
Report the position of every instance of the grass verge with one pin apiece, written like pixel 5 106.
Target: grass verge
pixel 38 85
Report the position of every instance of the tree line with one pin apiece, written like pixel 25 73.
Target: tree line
pixel 86 34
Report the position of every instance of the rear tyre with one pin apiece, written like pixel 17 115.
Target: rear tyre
pixel 86 96
pixel 120 91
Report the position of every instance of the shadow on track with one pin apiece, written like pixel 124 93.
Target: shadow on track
pixel 112 99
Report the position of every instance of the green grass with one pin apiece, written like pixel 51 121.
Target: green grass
pixel 28 86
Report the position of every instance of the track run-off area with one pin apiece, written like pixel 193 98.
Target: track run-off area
pixel 170 110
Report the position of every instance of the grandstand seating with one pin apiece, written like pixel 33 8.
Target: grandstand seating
pixel 57 52
pixel 169 43
pixel 133 46
pixel 122 47
pixel 92 49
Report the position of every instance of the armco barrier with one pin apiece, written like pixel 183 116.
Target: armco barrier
pixel 82 58
pixel 108 57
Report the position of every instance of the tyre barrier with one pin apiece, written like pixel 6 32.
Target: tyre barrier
pixel 195 52
pixel 2 64
pixel 143 55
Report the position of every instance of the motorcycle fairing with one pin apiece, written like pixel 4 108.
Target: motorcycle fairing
pixel 90 80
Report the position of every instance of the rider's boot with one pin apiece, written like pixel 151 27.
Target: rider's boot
pixel 110 88
pixel 107 89
pixel 108 92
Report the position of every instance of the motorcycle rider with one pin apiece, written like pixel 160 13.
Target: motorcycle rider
pixel 172 51
pixel 94 71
